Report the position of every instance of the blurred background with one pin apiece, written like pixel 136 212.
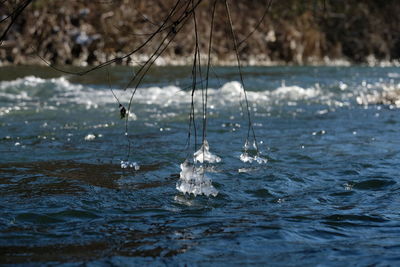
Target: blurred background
pixel 299 32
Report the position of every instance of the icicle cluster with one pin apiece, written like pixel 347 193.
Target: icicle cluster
pixel 250 156
pixel 129 164
pixel 204 155
pixel 194 181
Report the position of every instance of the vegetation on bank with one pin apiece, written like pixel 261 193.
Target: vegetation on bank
pixel 299 32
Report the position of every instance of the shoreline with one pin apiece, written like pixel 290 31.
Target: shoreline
pixel 167 61
pixel 293 33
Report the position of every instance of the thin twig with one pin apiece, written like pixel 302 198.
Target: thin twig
pixel 108 62
pixel 258 23
pixel 14 15
pixel 250 125
pixel 208 70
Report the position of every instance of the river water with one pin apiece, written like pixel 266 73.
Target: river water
pixel 329 193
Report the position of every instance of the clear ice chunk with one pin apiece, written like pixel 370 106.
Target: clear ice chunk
pixel 247 158
pixel 194 181
pixel 90 137
pixel 129 164
pixel 204 155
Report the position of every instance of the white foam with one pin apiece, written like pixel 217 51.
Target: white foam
pixel 295 92
pixel 194 181
pixel 204 155
pixel 63 91
pixel 390 95
pixel 58 91
pixel 394 75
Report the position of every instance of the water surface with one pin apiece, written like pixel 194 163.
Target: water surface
pixel 329 193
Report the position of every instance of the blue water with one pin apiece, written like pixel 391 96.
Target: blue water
pixel 328 195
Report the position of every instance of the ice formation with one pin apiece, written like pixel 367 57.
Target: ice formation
pixel 129 164
pixel 204 154
pixel 194 181
pixel 247 157
pixel 90 137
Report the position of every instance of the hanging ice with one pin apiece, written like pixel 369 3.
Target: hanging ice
pixel 129 164
pixel 90 137
pixel 194 181
pixel 204 154
pixel 246 157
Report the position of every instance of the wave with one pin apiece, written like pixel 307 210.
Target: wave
pixel 58 91
pixel 389 95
